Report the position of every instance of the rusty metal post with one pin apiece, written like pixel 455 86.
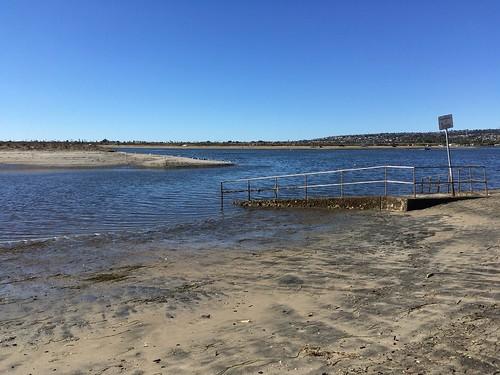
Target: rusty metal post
pixel 414 184
pixel 341 184
pixel 221 196
pixel 439 184
pixel 385 181
pixel 485 181
pixel 305 185
pixel 470 180
pixel 430 184
pixel 459 182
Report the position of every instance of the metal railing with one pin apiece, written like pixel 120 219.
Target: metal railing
pixel 419 180
pixel 465 180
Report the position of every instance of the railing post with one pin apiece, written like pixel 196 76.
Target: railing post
pixel 459 182
pixel 341 184
pixel 385 181
pixel 430 180
pixel 470 180
pixel 305 185
pixel 452 182
pixel 485 181
pixel 414 184
pixel 221 196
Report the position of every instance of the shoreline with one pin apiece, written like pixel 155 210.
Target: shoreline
pixel 194 147
pixel 289 290
pixel 99 159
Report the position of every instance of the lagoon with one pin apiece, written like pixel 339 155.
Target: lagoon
pixel 41 204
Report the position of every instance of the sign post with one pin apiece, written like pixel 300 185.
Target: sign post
pixel 445 123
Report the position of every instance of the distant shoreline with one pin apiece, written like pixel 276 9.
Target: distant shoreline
pixel 221 147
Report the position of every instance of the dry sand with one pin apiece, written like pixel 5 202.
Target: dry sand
pixel 99 159
pixel 414 293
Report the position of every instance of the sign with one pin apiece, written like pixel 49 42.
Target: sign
pixel 445 122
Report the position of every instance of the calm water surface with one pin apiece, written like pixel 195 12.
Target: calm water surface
pixel 37 204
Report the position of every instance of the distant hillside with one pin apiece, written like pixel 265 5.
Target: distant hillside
pixel 50 145
pixel 481 137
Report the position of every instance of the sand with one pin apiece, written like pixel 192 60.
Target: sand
pixel 414 293
pixel 100 159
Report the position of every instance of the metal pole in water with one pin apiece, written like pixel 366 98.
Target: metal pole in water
pixel 248 186
pixel 221 196
pixel 414 184
pixel 485 181
pixel 305 185
pixel 341 184
pixel 385 181
pixel 459 182
pixel 470 179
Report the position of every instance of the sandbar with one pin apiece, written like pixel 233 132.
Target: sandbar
pixel 100 159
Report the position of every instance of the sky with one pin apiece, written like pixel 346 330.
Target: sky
pixel 187 70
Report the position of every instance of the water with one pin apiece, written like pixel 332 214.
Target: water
pixel 38 204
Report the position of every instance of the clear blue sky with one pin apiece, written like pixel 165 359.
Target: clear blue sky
pixel 257 69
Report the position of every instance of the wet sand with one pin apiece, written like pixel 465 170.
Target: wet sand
pixel 99 159
pixel 286 291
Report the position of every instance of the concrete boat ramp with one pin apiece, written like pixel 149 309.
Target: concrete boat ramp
pixel 357 203
pixel 386 187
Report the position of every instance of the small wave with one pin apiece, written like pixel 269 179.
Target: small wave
pixel 154 233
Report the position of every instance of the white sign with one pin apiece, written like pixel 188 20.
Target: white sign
pixel 445 122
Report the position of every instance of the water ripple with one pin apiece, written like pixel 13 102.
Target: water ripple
pixel 45 205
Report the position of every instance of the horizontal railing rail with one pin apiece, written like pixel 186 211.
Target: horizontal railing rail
pixel 427 184
pixel 319 173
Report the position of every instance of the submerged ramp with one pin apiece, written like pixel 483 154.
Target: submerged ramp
pixel 386 187
pixel 357 203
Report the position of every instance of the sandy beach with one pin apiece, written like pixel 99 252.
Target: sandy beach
pixel 99 159
pixel 294 291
